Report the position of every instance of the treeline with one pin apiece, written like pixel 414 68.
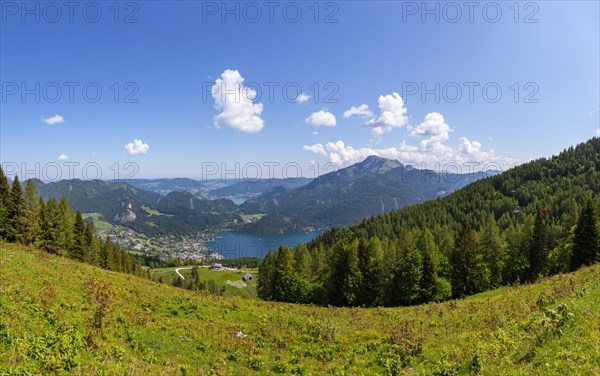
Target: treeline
pixel 54 227
pixel 534 220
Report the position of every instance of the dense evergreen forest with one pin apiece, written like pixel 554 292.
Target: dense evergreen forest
pixel 53 226
pixel 537 219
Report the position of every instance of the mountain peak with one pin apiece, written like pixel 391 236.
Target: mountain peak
pixel 379 164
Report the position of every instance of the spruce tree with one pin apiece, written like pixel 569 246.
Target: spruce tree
pixel 51 232
pixel 303 261
pixel 42 225
pixel 178 282
pixel 538 246
pixel 266 273
pixel 426 245
pixel 283 273
pixel 4 188
pixel 371 268
pixel 470 273
pixel 14 210
pixel 65 226
pixel 353 280
pixel 3 220
pixel 78 245
pixel 91 244
pixel 408 278
pixel 102 254
pixel 111 262
pixel 335 285
pixel 4 195
pixel 29 218
pixel 585 241
pixel 494 250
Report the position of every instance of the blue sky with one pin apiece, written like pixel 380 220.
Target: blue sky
pixel 377 58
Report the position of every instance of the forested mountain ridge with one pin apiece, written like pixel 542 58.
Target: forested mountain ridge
pixel 373 186
pixel 536 219
pixel 98 196
pixel 560 184
pixel 121 203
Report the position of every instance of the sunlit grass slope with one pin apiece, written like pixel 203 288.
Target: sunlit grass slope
pixel 54 319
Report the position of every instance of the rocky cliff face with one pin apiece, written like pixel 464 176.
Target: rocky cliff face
pixel 125 212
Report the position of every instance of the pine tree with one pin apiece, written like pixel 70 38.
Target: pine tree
pixel 585 241
pixel 538 246
pixel 14 210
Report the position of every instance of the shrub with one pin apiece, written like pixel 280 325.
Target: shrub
pixel 100 294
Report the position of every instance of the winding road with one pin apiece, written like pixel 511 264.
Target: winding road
pixel 179 274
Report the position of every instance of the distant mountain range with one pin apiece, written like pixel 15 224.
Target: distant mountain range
pixel 254 188
pixel 373 186
pixel 181 206
pixel 217 188
pixel 165 186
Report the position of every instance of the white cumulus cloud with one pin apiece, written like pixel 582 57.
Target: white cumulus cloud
pixel 431 151
pixel 434 126
pixel 137 147
pixel 321 119
pixel 392 114
pixel 302 98
pixel 62 157
pixel 56 119
pixel 236 103
pixel 362 110
pixel 316 148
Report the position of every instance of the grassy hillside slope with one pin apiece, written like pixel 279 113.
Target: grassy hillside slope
pixel 223 279
pixel 47 325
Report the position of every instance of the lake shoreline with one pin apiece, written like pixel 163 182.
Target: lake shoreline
pixel 232 244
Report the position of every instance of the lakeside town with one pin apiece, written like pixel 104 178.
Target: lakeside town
pixel 166 247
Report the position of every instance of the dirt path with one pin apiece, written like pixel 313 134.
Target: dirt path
pixel 179 274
